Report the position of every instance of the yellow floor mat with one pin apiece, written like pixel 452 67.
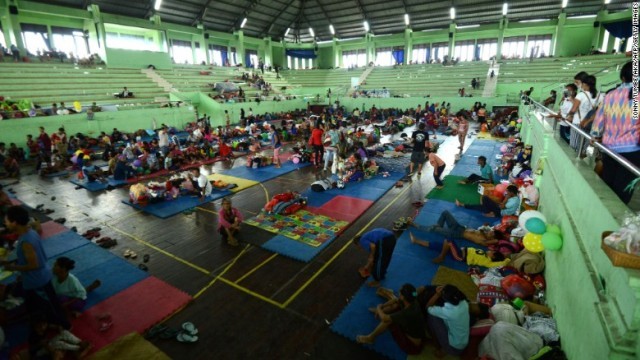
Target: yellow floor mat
pixel 242 183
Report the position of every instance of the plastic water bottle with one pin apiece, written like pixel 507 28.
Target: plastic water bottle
pixel 541 298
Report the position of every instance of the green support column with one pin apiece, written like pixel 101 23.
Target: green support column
pixel 100 34
pixel 334 53
pixel 596 41
pixel 337 53
pixel 268 51
pixel 452 30
pixel 5 24
pixel 503 25
pixel 17 34
pixel 204 46
pixel 558 48
pixel 526 47
pixel 408 45
pixel 370 48
pixel 240 47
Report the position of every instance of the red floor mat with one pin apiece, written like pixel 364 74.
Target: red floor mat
pixel 51 228
pixel 136 308
pixel 344 208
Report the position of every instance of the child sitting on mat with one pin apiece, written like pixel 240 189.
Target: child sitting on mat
pixel 229 220
pixel 52 341
pixel 355 169
pixel 471 256
pixel 71 293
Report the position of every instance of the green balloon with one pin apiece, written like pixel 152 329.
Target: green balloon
pixel 551 241
pixel 554 229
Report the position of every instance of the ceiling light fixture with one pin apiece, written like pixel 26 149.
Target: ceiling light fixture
pixel 366 25
pixel 157 4
pixel 452 11
pixel 333 31
pixel 287 32
pixel 564 3
pixel 607 2
pixel 312 33
pixel 505 8
pixel 244 22
pixel 406 19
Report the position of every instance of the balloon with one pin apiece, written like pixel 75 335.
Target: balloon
pixel 536 226
pixel 554 229
pixel 512 123
pixel 77 106
pixel 526 215
pixel 519 121
pixel 137 163
pixel 552 241
pixel 503 149
pixel 533 242
pixel 296 160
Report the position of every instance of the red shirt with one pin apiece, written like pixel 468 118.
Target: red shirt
pixel 316 137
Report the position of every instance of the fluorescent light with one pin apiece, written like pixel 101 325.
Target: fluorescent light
pixel 581 17
pixel 366 25
pixel 564 3
pixel 467 26
pixel 244 22
pixel 312 33
pixel 505 8
pixel 158 4
pixel 452 11
pixel 287 32
pixel 607 1
pixel 533 20
pixel 333 31
pixel 406 19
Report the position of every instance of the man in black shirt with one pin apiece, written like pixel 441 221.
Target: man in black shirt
pixel 420 139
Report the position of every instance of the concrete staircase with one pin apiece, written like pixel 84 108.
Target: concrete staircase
pixel 489 83
pixel 160 81
pixel 361 79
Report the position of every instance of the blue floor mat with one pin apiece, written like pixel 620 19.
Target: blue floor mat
pixel 317 199
pixel 464 170
pixel 63 242
pixel 166 209
pixel 294 249
pixel 98 186
pixel 86 256
pixel 264 173
pixel 370 189
pixel 56 174
pixel 115 274
pixel 469 218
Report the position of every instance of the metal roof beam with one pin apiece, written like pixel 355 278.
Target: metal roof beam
pixel 267 29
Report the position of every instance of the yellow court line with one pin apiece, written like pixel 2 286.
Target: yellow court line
pixel 252 293
pixel 256 268
pixel 123 216
pixel 216 213
pixel 266 193
pixel 179 259
pixel 219 276
pixel 336 255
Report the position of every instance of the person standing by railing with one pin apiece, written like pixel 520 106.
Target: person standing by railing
pixel 616 128
pixel 567 103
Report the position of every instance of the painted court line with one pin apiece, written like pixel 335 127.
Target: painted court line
pixel 219 276
pixel 257 267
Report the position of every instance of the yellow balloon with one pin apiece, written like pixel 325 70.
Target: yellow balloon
pixel 77 106
pixel 533 242
pixel 512 123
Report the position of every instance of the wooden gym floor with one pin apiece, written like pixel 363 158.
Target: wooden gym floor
pixel 248 302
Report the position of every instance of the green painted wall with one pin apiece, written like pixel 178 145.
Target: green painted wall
pixel 325 58
pixel 129 120
pixel 119 58
pixel 577 38
pixel 593 302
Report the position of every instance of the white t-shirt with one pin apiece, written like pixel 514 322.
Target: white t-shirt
pixel 586 104
pixel 163 138
pixel 70 287
pixel 565 108
pixel 204 183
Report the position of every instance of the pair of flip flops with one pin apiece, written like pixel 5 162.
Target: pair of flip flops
pixel 106 242
pixel 188 333
pixel 130 254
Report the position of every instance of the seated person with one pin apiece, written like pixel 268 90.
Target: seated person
pixel 355 169
pixel 486 173
pixel 56 164
pixel 403 318
pixel 509 206
pixel 122 171
pixel 92 173
pixel 71 293
pixel 11 166
pixel 125 93
pixel 449 322
pixel 201 184
pixel 47 340
pixel 229 220
pixel 448 226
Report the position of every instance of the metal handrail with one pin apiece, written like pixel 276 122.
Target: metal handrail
pixel 586 137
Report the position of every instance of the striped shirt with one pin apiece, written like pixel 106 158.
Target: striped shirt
pixel 614 122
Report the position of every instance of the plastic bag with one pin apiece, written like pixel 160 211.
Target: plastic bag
pixel 627 238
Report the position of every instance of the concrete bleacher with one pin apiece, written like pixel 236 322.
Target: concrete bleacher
pixel 190 78
pixel 431 79
pixel 318 78
pixel 47 83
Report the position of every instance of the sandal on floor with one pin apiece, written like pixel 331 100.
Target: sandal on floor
pixel 104 326
pixel 186 338
pixel 146 258
pixel 168 333
pixel 189 328
pixel 143 267
pixel 127 253
pixel 155 331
